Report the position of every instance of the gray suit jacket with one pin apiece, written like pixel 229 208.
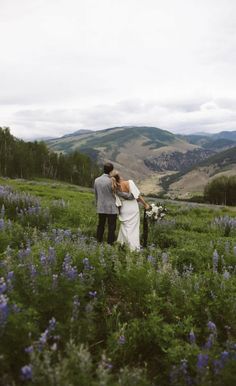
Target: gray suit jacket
pixel 105 199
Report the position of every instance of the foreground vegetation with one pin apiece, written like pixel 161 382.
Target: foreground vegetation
pixel 76 313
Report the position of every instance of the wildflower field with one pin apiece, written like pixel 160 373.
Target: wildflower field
pixel 73 312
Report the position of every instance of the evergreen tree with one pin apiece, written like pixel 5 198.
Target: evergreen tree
pixel 221 191
pixel 34 159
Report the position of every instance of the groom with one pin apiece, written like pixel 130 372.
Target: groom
pixel 106 205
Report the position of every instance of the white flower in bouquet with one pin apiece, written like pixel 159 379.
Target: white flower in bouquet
pixel 156 212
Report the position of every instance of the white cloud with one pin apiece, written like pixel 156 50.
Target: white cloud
pixel 176 116
pixel 70 64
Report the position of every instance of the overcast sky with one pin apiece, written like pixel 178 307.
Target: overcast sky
pixel 92 64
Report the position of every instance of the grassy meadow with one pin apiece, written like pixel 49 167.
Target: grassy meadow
pixel 73 312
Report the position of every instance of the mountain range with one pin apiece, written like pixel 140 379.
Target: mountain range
pixel 157 159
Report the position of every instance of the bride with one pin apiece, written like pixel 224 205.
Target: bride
pixel 128 211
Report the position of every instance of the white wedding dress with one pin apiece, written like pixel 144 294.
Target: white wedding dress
pixel 130 220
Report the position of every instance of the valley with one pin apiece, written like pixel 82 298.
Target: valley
pixel 150 155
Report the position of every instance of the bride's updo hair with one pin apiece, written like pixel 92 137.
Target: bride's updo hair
pixel 115 179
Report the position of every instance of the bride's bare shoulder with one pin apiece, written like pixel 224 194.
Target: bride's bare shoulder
pixel 124 185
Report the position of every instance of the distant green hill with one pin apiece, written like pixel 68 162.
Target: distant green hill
pixel 217 142
pixel 231 135
pixel 113 137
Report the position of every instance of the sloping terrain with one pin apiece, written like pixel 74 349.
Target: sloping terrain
pixel 216 142
pixel 133 150
pixel 195 179
pixel 146 154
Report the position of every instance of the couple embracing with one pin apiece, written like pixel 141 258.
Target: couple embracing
pixel 116 196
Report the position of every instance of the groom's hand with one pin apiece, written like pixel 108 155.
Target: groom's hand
pixel 126 196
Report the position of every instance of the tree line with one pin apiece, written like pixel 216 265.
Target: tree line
pixel 20 159
pixel 221 191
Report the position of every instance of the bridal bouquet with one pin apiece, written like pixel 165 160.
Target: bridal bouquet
pixel 156 212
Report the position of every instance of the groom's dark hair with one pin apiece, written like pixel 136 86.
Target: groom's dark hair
pixel 108 167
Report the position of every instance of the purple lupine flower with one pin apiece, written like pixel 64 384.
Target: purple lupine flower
pixel 234 250
pixel 108 365
pixel 209 341
pixel 202 361
pixel 217 363
pixel 151 259
pixel 3 211
pixel 52 324
pixel 66 263
pixel 215 259
pixel 10 275
pixel 224 356
pixel 3 285
pixel 87 265
pixel 72 273
pixel 33 270
pixel 164 257
pixel 93 294
pixel 43 337
pixel 27 251
pixel 121 340
pixel 226 275
pixel 225 222
pixel 2 224
pixel 192 337
pixel 4 310
pixel 76 305
pixel 76 301
pixel 68 270
pixel 227 246
pixel 26 372
pixel 9 251
pixel 211 326
pixel 67 233
pixel 51 254
pixel 20 254
pixel 29 349
pixel 43 258
pixel 184 366
pixel 24 252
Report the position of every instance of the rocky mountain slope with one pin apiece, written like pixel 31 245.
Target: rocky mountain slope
pixel 176 160
pixel 184 184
